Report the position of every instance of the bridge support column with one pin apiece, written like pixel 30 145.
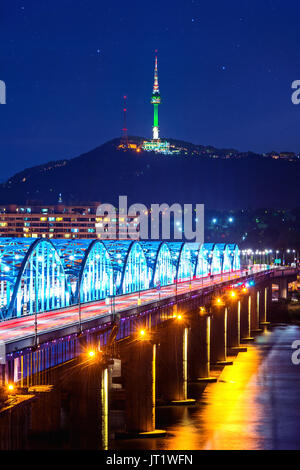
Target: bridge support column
pixel 255 311
pixel 46 412
pixel 219 336
pixel 246 318
pixel 199 349
pixel 234 327
pixel 283 288
pixel 266 298
pixel 88 403
pixel 172 364
pixel 139 373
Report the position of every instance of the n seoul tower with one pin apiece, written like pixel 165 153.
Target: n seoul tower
pixel 156 144
pixel 155 100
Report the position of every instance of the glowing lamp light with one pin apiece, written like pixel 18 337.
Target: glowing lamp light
pixel 219 301
pixel 10 387
pixel 91 353
pixel 244 290
pixel 232 294
pixel 179 317
pixel 142 333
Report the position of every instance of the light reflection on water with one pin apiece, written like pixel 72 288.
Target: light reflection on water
pixel 254 405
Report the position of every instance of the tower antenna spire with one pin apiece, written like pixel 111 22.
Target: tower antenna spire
pixel 155 100
pixel 124 130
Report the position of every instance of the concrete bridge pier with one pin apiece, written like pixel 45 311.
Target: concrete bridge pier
pixel 85 388
pixel 254 308
pixel 199 348
pixel 45 411
pixel 266 299
pixel 138 360
pixel 218 344
pixel 283 288
pixel 76 409
pixel 246 318
pixel 172 365
pixel 234 327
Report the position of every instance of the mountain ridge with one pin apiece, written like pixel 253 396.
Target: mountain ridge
pixel 202 174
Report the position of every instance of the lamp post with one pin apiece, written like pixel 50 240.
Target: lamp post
pixel 35 317
pixel 79 304
pixel 113 306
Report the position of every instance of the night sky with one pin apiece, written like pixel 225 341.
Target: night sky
pixel 225 74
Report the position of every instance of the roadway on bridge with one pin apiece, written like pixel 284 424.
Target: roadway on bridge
pixel 22 327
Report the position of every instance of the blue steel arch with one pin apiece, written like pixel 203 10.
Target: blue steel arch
pixel 163 272
pixel 208 252
pixel 41 289
pixel 135 270
pixel 159 261
pixel 217 259
pixel 235 256
pixel 202 265
pixel 187 261
pixel 100 277
pixel 12 251
pixel 127 270
pixel 175 249
pixel 227 259
pixel 107 267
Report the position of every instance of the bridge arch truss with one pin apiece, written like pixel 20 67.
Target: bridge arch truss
pixel 38 275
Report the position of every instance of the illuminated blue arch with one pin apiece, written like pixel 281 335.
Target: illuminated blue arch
pixel 118 251
pixel 187 261
pixel 234 256
pixel 227 265
pixel 41 283
pixel 159 262
pixel 203 262
pixel 217 259
pixel 38 274
pixel 175 250
pixel 12 252
pixel 135 273
pixel 72 253
pixel 96 276
pixel 131 272
pixel 164 270
pixel 208 252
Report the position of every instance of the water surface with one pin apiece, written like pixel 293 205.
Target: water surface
pixel 254 405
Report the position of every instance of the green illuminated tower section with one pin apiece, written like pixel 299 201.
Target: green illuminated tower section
pixel 155 100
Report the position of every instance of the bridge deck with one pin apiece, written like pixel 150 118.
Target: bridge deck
pixel 16 329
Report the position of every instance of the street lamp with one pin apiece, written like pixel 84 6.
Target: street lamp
pixel 35 314
pixel 79 303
